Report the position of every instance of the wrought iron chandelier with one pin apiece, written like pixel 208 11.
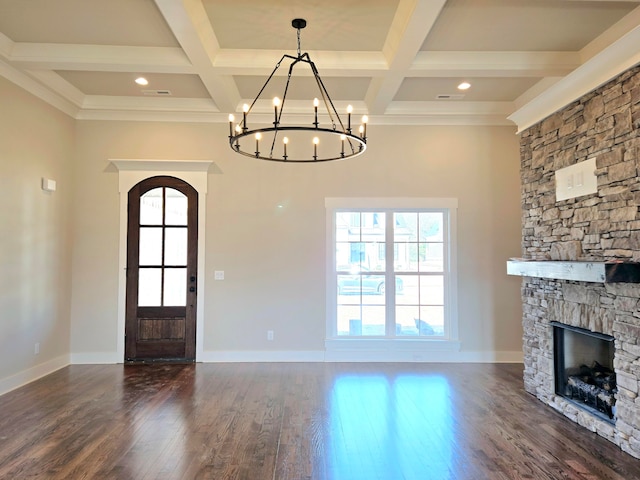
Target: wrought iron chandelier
pixel 307 143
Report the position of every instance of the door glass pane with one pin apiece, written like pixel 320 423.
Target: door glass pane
pixel 175 246
pixel 151 207
pixel 150 246
pixel 176 207
pixel 149 281
pixel 175 287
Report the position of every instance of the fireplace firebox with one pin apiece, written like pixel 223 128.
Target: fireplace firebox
pixel 584 373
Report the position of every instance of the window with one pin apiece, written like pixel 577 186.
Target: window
pixel 392 269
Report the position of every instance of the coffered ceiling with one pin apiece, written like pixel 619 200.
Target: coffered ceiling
pixel 395 60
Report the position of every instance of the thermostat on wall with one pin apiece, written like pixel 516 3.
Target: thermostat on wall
pixel 48 185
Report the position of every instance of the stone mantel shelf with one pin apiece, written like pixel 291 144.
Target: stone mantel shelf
pixel 600 272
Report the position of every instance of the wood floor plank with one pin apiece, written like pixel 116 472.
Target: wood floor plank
pixel 295 422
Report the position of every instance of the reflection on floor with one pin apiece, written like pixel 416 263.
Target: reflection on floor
pixel 295 421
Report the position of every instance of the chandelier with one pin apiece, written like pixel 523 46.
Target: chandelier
pixel 324 139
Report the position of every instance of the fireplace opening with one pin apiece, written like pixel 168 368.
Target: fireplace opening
pixel 584 374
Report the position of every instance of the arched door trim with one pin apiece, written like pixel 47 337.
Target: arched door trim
pixel 130 173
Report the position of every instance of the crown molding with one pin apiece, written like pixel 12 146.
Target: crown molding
pixel 601 68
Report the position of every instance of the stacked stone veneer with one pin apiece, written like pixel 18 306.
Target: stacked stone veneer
pixel 604 226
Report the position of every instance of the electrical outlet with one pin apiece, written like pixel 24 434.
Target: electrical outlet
pixel 269 335
pixel 36 348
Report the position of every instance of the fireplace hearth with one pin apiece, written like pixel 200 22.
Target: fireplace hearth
pixel 583 365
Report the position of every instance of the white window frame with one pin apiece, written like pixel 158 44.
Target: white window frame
pixel 392 348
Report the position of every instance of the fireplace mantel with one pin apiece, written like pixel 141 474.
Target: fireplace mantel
pixel 599 272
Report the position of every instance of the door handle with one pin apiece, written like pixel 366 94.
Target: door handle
pixel 192 289
pixel 192 278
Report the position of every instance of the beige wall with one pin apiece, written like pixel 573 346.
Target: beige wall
pixel 274 259
pixel 36 141
pixel 59 256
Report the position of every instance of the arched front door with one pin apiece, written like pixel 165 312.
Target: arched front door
pixel 162 239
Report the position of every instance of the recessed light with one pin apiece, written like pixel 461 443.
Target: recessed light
pixel 142 81
pixel 464 86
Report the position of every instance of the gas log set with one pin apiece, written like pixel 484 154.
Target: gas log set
pixel 594 386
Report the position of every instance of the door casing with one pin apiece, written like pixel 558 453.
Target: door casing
pixel 161 332
pixel 130 172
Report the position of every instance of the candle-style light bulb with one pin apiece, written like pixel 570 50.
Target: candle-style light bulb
pixel 231 119
pixel 276 103
pixel 285 140
pixel 316 140
pixel 245 110
pixel 342 139
pixel 238 131
pixel 349 110
pixel 316 102
pixel 365 119
pixel 258 137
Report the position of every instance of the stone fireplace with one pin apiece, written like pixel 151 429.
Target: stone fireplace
pixel 608 309
pixel 599 228
pixel 583 369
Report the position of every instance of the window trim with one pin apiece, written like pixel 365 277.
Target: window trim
pixel 369 346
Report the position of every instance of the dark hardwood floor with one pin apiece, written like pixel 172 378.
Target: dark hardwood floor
pixel 294 422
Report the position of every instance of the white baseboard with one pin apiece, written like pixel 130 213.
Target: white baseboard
pixel 330 355
pixel 411 356
pixel 95 358
pixel 262 356
pixel 359 355
pixel 34 373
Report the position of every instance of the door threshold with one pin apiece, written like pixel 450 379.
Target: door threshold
pixel 159 361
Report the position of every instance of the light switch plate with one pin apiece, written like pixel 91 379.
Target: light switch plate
pixel 576 180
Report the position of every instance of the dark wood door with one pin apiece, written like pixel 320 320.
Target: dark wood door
pixel 162 250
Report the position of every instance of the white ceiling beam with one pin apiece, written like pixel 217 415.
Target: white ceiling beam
pixel 101 58
pixel 190 25
pixel 493 64
pixel 109 102
pixel 35 88
pixel 6 46
pixel 450 107
pixel 328 63
pixel 410 26
pixel 59 85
